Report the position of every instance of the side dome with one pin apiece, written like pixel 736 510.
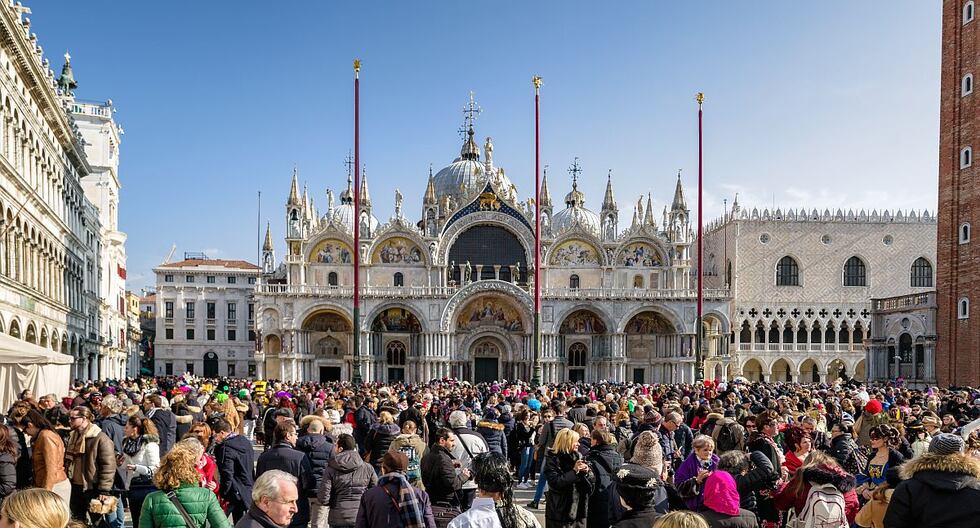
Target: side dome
pixel 576 215
pixel 344 215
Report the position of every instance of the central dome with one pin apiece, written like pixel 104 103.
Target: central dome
pixel 576 215
pixel 467 175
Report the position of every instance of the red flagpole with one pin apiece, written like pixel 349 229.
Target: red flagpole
pixel 536 364
pixel 699 359
pixel 356 376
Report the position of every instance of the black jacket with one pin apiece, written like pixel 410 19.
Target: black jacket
pixel 114 427
pixel 844 451
pixel 493 434
pixel 256 518
pixel 166 424
pixel 345 479
pixel 604 505
pixel 744 519
pixel 939 490
pixel 364 418
pixel 235 459
pixel 319 449
pixel 379 440
pixel 378 511
pixel 577 414
pixel 284 457
pixel 439 476
pixel 568 492
pixel 637 519
pixel 761 476
pixel 8 475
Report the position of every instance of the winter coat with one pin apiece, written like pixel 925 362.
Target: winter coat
pixel 744 519
pixel 439 476
pixel 637 519
pixel 97 464
pixel 114 427
pixel 256 518
pixel 762 476
pixel 378 441
pixel 844 451
pixel 604 505
pixel 468 445
pixel 166 424
pixel 364 418
pixel 507 419
pixel 406 443
pixel 821 474
pixel 284 457
pixel 235 459
pixel 377 510
pixel 146 460
pixel 414 414
pixel 939 490
pixel 568 492
pixel 8 475
pixel 493 434
pixel 345 479
pixel 319 448
pixel 523 435
pixel 200 503
pixel 184 419
pixel 577 414
pixel 550 430
pixel 48 460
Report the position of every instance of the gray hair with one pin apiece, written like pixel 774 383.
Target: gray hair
pixel 267 485
pixel 113 403
pixel 457 419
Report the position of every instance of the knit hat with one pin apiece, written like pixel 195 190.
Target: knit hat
pixel 931 420
pixel 946 444
pixel 720 493
pixel 647 451
pixel 873 407
pixel 637 477
pixel 653 418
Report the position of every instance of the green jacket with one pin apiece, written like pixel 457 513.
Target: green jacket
pixel 200 503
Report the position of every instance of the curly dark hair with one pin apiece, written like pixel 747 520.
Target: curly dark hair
pixel 891 435
pixel 491 473
pixel 794 436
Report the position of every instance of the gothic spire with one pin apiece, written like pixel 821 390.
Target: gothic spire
pixel 267 245
pixel 609 202
pixel 347 196
pixel 294 190
pixel 66 83
pixel 648 220
pixel 545 195
pixel 365 196
pixel 636 222
pixel 679 203
pixel 430 189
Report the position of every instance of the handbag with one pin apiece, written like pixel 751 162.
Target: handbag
pixel 444 514
pixel 188 520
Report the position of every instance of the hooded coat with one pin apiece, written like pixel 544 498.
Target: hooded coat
pixel 939 490
pixel 493 434
pixel 319 449
pixel 721 501
pixel 567 498
pixel 344 480
pixel 604 505
pixel 821 474
pixel 379 440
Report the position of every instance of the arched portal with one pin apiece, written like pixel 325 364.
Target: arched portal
pixel 328 336
pixel 578 356
pixel 210 365
pixel 651 342
pixel 752 370
pixel 491 251
pixel 583 335
pixel 490 322
pixel 809 372
pixel 486 354
pixel 396 357
pixel 859 371
pixel 395 335
pixel 781 371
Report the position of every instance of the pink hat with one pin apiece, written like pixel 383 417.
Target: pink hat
pixel 720 493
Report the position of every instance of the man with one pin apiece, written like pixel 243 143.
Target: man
pixel 493 481
pixel 578 412
pixel 165 421
pixel 274 501
pixel 413 413
pixel 235 459
pixel 54 410
pixel 441 472
pixel 284 456
pixel 380 509
pixel 318 448
pixel 410 444
pixel 90 459
pixel 546 439
pixel 468 444
pixel 668 442
pixel 112 421
pixel 344 480
pixel 364 418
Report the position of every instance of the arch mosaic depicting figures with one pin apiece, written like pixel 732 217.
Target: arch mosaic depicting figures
pixel 574 252
pixel 398 250
pixel 331 251
pixel 650 334
pixel 583 321
pixel 396 320
pixel 490 311
pixel 640 253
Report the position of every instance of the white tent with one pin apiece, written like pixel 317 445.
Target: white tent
pixel 27 366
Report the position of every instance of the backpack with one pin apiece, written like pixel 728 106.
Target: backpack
pixel 413 473
pixel 824 508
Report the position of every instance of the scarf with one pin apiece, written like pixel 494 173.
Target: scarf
pixel 131 446
pixel 405 502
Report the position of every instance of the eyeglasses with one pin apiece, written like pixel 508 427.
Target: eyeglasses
pixel 289 502
pixel 72 418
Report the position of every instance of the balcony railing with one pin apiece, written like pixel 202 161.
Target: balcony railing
pixel 809 348
pixel 903 301
pixel 448 291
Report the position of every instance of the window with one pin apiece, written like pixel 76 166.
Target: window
pixel 169 369
pixel 573 282
pixel 332 278
pixel 168 278
pixel 231 334
pixel 968 12
pixel 189 309
pixel 231 370
pixel 169 309
pixel 189 368
pixel 921 273
pixel 169 333
pixel 210 279
pixel 855 273
pixel 251 311
pixel 965 233
pixel 638 281
pixel 787 272
pixel 211 310
pixel 251 335
pixel 966 157
pixel 963 308
pixel 232 311
pixel 398 280
pixel 966 85
pixel 189 278
pixel 190 334
pixel 232 280
pixel 251 280
pixel 210 334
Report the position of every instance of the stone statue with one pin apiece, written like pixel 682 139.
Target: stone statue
pixel 398 204
pixel 330 201
pixel 488 151
pixel 467 272
pixel 514 273
pixel 449 272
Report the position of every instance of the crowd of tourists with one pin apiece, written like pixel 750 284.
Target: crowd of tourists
pixel 192 452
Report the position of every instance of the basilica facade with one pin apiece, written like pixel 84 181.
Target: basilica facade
pixel 450 293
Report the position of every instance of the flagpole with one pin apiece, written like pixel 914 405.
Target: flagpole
pixel 699 356
pixel 356 375
pixel 536 364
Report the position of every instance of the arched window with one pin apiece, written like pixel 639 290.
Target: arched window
pixel 963 310
pixel 787 272
pixel 638 281
pixel 966 85
pixel 745 334
pixel 855 273
pixel 578 356
pixel 332 278
pixel 968 12
pixel 921 273
pixel 573 282
pixel 399 279
pixel 966 157
pixel 396 356
pixel 964 233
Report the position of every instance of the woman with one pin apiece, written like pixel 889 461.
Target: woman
pixel 35 508
pixel 798 444
pixel 604 461
pixel 524 441
pixel 570 482
pixel 624 429
pixel 379 439
pixel 721 502
pixel 763 441
pixel 844 450
pixel 8 462
pixel 48 456
pixel 178 474
pixel 647 452
pixel 872 515
pixel 884 439
pixel 819 469
pixel 495 496
pixel 695 469
pixel 206 467
pixel 140 458
pixel 640 489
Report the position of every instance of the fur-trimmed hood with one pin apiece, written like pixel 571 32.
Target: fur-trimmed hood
pixel 947 472
pixel 491 425
pixel 827 474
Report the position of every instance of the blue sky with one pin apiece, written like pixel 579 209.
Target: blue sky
pixel 834 104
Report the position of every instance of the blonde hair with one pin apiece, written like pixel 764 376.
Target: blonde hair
pixel 681 519
pixel 565 442
pixel 36 508
pixel 385 417
pixel 177 467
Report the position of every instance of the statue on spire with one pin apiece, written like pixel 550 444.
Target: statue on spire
pixel 66 83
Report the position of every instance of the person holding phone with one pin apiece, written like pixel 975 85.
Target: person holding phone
pixel 695 469
pixel 570 483
pixel 141 458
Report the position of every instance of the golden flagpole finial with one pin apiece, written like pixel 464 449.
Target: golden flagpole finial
pixel 536 81
pixel 357 65
pixel 699 98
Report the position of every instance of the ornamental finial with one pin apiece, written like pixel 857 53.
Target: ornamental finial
pixel 536 81
pixel 357 66
pixel 699 98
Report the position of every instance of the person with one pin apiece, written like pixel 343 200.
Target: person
pixel 207 470
pixel 797 442
pixel 140 459
pixel 681 519
pixel 285 457
pixel 748 481
pixel 9 451
pixel 493 432
pixel 364 418
pixel 647 452
pixel 234 456
pixel 843 448
pixel 443 476
pixel 163 419
pixel 394 503
pixel 379 439
pixel 344 480
pixel 762 439
pixel 468 444
pixel 554 421
pixel 494 504
pixel 91 463
pixel 523 436
pixel 604 461
pixel 884 440
pixel 695 469
pixel 872 514
pixel 48 454
pixel 177 481
pixel 640 489
pixel 35 508
pixel 819 471
pixel 721 503
pixel 570 482
pixel 940 488
pixel 318 448
pixel 412 445
pixel 274 501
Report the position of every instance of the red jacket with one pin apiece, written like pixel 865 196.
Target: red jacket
pixel 822 474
